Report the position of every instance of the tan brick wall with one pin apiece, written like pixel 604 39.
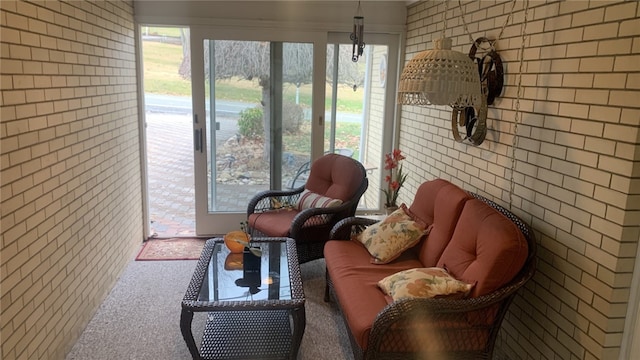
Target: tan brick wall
pixel 577 176
pixel 71 187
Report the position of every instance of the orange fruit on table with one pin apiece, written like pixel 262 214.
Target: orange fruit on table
pixel 231 240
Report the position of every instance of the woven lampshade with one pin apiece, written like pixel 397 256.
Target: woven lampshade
pixel 440 77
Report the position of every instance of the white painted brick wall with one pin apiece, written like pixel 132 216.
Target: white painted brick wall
pixel 578 161
pixel 66 223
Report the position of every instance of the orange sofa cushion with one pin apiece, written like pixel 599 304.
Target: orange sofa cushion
pixel 355 282
pixel 424 200
pixel 486 248
pixel 443 202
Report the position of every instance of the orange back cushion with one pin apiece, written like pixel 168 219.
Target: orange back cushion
pixel 335 176
pixel 424 200
pixel 439 204
pixel 486 248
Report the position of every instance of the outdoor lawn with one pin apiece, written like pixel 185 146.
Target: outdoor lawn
pixel 163 59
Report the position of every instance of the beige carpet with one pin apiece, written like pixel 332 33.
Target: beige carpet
pixel 140 319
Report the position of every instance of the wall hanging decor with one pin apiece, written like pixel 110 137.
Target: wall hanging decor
pixel 472 121
pixel 428 79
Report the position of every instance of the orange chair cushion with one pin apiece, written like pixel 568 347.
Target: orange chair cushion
pixel 486 248
pixel 335 176
pixel 274 223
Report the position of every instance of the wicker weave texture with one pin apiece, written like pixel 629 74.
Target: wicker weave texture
pixel 440 77
pixel 237 335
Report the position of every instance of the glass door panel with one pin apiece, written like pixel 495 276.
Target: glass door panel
pixel 255 131
pixel 296 113
pixel 357 94
pixel 236 98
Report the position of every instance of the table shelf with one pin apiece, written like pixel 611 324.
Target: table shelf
pixel 247 335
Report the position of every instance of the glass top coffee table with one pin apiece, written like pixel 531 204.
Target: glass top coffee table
pixel 255 304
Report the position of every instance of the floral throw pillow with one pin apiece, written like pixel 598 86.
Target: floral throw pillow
pixel 388 239
pixel 423 283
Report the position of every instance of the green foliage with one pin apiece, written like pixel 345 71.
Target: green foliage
pixel 347 136
pixel 250 122
pixel 161 64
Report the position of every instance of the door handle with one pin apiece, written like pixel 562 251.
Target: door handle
pixel 197 139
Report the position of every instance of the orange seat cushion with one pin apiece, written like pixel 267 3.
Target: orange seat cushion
pixel 349 267
pixel 275 223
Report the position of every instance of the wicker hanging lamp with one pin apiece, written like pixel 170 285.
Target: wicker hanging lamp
pixel 440 77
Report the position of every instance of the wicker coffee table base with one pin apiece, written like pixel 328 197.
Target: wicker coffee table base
pixel 249 329
pixel 248 335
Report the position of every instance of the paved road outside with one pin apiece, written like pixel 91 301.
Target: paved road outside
pixel 182 105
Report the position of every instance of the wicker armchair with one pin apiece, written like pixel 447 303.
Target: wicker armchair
pixel 278 213
pixel 438 328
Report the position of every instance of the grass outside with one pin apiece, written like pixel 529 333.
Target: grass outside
pixel 161 31
pixel 162 61
pixel 161 64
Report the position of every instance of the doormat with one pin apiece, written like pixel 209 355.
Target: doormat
pixel 181 248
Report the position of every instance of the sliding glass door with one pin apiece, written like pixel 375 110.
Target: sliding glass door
pixel 266 103
pixel 361 106
pixel 253 119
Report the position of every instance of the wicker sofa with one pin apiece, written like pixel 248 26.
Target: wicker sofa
pixel 474 239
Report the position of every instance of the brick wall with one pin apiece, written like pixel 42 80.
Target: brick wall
pixel 71 187
pixel 577 175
